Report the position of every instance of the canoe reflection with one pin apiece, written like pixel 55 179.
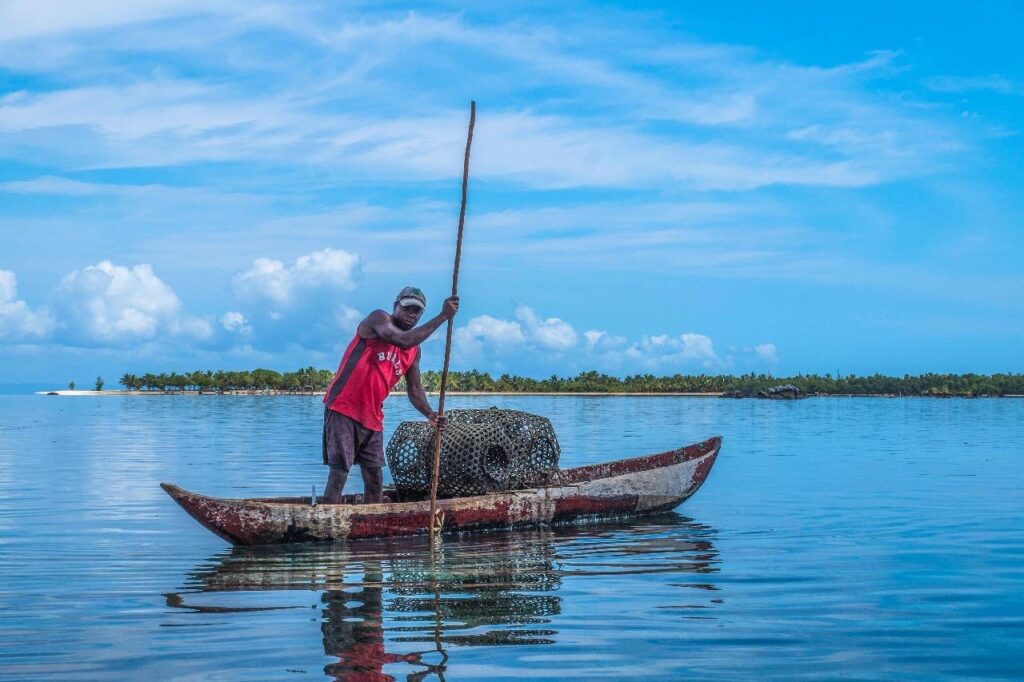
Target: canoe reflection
pixel 390 602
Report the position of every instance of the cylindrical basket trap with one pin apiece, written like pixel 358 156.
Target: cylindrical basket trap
pixel 482 451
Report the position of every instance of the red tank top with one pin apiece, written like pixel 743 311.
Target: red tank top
pixel 368 371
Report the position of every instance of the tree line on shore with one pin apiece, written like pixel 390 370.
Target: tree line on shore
pixel 310 379
pixel 307 379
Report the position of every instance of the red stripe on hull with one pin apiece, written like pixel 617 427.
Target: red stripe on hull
pixel 387 525
pixel 574 507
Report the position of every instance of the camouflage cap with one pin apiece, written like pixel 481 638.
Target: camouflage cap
pixel 411 296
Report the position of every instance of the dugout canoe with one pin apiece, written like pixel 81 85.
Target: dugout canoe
pixel 625 487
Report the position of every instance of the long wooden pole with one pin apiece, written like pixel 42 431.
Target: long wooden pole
pixel 436 519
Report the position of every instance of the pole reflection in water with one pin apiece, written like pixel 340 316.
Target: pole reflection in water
pixel 389 603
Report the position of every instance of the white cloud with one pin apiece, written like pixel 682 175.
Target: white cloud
pixel 766 351
pixel 234 321
pixel 111 304
pixel 552 333
pixel 603 342
pixel 331 267
pixel 486 331
pixel 8 286
pixel 179 109
pixel 698 347
pixel 49 184
pixel 485 338
pixel 269 280
pixel 18 322
pixel 143 196
pixel 194 327
pixel 266 278
pixel 21 19
pixel 346 317
pixel 299 306
pixel 666 352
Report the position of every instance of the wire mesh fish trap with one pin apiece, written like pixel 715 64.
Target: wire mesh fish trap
pixel 482 451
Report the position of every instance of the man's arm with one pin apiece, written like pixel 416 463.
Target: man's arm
pixel 417 395
pixel 379 325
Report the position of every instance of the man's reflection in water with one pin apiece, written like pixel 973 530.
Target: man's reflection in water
pixel 475 595
pixel 353 631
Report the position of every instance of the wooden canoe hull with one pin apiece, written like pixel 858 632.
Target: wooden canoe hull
pixel 627 487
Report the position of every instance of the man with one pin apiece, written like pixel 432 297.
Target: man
pixel 385 347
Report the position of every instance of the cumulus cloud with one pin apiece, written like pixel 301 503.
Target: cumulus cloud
pixel 330 267
pixel 484 330
pixel 269 280
pixel 234 321
pixel 110 304
pixel 698 347
pixel 766 351
pixel 18 322
pixel 266 278
pixel 552 333
pixel 602 341
pixel 667 352
pixel 298 305
pixel 484 336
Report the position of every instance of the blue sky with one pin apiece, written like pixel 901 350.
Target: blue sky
pixel 656 187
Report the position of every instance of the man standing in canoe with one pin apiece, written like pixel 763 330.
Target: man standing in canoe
pixel 385 347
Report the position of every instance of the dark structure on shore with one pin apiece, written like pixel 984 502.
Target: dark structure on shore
pixel 780 392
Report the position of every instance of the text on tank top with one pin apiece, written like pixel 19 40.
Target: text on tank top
pixel 368 371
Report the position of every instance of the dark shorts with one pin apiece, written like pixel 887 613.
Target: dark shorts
pixel 347 442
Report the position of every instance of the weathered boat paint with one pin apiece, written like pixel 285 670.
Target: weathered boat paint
pixel 639 485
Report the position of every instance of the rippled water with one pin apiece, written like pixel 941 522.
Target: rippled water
pixel 835 538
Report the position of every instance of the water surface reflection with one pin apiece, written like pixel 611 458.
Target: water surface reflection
pixel 388 608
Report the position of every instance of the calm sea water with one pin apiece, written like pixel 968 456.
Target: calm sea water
pixel 835 538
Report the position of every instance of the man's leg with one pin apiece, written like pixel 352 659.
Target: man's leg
pixel 371 464
pixel 340 445
pixel 373 484
pixel 335 484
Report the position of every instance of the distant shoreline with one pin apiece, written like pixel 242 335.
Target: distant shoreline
pixel 581 394
pixel 309 380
